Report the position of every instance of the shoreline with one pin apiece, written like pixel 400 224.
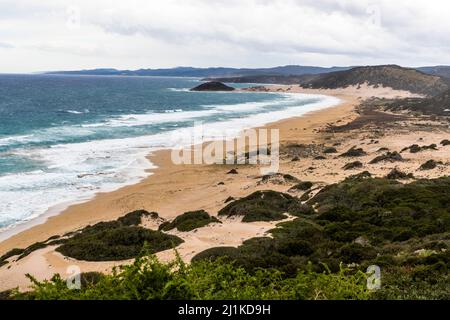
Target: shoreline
pixel 149 168
pixel 25 234
pixel 174 189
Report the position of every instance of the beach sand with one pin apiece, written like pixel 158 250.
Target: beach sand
pixel 174 189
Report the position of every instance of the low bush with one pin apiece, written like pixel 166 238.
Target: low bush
pixel 353 152
pixel 353 165
pixel 388 156
pixel 189 221
pixel 330 150
pixel 430 165
pixel 106 243
pixel 135 218
pixel 396 174
pixel 11 253
pixel 302 186
pixel 262 206
pixel 415 148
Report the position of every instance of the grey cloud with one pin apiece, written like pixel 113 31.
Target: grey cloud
pixel 335 31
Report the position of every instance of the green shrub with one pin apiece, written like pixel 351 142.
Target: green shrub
pixel 430 165
pixel 215 253
pixel 388 156
pixel 303 186
pixel 330 150
pixel 294 247
pixel 135 218
pixel 396 174
pixel 353 152
pixel 189 221
pixel 402 284
pixel 100 243
pixel 89 279
pixel 11 253
pixel 263 206
pixel 353 165
pixel 356 253
pixel 416 148
pixel 149 279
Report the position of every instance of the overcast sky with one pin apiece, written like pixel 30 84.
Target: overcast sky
pixel 41 35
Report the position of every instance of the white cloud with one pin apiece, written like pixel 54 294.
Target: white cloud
pixel 52 34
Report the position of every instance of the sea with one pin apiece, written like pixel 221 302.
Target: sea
pixel 64 138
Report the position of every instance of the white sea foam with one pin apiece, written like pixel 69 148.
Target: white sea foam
pixel 79 170
pixel 14 139
pixel 131 120
pixel 287 100
pixel 180 89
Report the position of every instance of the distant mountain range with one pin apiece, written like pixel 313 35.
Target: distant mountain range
pixel 443 71
pixel 207 72
pixel 429 81
pixel 290 70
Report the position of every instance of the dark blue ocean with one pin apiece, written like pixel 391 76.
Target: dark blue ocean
pixel 64 138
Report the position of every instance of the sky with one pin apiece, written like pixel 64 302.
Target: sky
pixel 47 35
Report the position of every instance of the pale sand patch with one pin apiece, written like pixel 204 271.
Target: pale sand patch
pixel 173 189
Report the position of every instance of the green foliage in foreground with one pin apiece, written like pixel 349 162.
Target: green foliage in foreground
pixel 189 221
pixel 149 279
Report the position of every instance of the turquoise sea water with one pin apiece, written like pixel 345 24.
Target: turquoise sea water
pixel 63 138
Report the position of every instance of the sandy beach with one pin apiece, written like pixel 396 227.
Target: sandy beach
pixel 174 189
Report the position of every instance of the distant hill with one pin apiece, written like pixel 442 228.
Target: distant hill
pixel 392 76
pixel 267 79
pixel 206 72
pixel 443 71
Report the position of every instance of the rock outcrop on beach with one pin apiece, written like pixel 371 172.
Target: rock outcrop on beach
pixel 212 86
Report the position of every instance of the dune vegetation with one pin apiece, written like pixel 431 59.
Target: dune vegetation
pixel 322 253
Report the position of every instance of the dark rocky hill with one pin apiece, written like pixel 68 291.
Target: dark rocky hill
pixel 212 86
pixel 393 76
